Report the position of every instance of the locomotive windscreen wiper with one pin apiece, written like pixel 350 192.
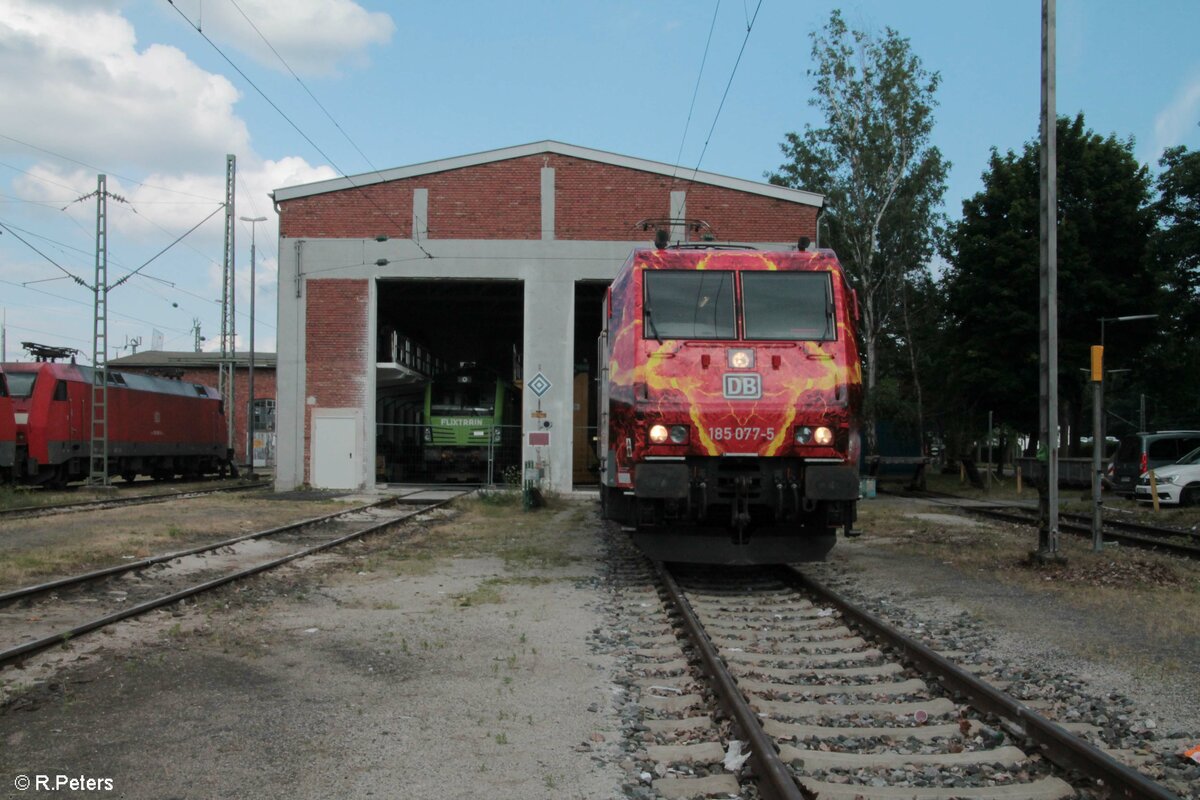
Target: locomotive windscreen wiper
pixel 653 327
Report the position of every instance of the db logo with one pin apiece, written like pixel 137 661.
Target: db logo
pixel 743 386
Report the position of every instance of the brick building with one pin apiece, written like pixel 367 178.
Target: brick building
pixel 203 368
pixel 500 258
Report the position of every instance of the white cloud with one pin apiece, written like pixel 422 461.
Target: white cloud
pixel 313 36
pixel 77 83
pixel 1173 123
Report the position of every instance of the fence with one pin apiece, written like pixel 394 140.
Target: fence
pixel 402 455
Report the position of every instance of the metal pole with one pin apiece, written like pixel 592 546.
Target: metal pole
pixel 1097 446
pixel 1048 372
pixel 98 470
pixel 250 377
pixel 989 441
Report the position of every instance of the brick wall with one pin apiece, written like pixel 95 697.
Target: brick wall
pixel 335 340
pixel 594 201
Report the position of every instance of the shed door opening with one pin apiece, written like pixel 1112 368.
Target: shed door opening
pixel 448 377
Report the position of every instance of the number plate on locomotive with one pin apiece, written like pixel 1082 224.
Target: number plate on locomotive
pixel 742 386
pixel 741 434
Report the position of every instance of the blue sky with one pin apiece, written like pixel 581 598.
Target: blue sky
pixel 130 87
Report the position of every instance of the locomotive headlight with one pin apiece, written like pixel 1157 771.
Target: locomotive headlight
pixel 821 436
pixel 661 434
pixel 741 359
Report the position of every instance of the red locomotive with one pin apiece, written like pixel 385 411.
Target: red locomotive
pixel 156 427
pixel 729 404
pixel 8 432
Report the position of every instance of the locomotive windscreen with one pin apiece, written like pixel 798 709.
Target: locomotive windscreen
pixel 463 398
pixel 689 305
pixel 20 384
pixel 788 305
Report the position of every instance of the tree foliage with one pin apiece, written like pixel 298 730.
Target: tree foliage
pixel 872 160
pixel 1174 257
pixel 992 287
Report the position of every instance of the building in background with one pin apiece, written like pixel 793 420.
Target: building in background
pixel 399 288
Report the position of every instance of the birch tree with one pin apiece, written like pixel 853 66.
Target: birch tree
pixel 872 159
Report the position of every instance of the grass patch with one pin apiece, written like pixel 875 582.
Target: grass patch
pixel 42 547
pixel 543 539
pixel 486 592
pixel 22 496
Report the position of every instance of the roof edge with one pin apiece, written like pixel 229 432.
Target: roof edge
pixel 537 148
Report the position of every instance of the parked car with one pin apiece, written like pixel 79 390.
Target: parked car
pixel 1139 453
pixel 1177 484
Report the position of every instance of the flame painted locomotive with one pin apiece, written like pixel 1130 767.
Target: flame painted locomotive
pixel 729 404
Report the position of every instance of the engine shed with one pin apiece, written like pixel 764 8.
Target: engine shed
pixel 439 321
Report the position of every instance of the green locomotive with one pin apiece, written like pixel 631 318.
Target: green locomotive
pixel 465 414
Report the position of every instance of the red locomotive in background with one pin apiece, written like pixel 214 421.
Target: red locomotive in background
pixel 8 432
pixel 156 426
pixel 729 404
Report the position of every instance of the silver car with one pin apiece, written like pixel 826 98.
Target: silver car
pixel 1177 484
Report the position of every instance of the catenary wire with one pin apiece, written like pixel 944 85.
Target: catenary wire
pixel 721 106
pixel 290 121
pixel 696 91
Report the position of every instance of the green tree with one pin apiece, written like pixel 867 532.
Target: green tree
pixel 1170 373
pixel 872 160
pixel 1104 221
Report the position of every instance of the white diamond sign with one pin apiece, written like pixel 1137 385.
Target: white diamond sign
pixel 540 384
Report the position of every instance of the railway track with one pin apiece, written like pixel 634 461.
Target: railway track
pixel 831 702
pixel 37 617
pixel 25 512
pixel 1176 541
pixel 1132 534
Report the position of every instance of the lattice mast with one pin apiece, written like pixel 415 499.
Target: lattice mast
pixel 98 474
pixel 228 328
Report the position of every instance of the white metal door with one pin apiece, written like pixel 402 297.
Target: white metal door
pixel 335 459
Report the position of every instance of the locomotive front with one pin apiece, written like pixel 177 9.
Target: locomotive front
pixel 731 404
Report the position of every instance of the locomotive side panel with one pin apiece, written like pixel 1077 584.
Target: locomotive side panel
pixel 734 387
pixel 155 426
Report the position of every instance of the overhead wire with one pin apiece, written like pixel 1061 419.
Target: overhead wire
pixel 733 72
pixel 366 195
pixel 321 106
pixel 696 90
pixel 97 169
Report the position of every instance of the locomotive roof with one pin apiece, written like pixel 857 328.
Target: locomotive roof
pixel 187 359
pixel 117 378
pixel 691 256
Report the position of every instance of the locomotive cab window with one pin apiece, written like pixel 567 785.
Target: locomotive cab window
pixel 463 398
pixel 60 390
pixel 795 306
pixel 688 305
pixel 20 384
